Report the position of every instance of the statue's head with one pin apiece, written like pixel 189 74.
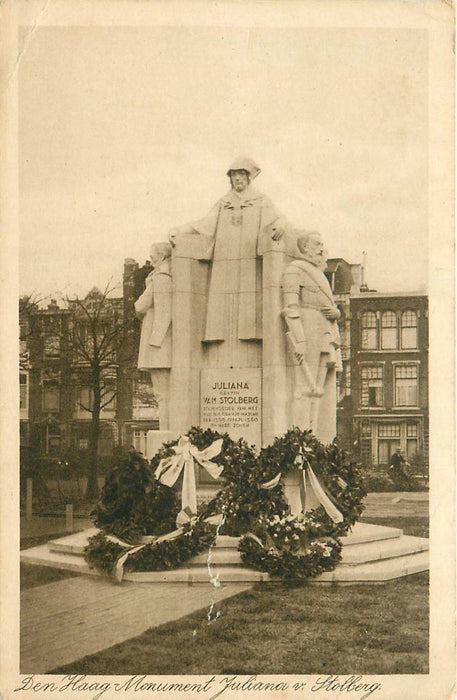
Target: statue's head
pixel 241 172
pixel 159 252
pixel 239 180
pixel 311 246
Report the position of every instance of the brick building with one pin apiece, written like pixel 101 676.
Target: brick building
pixel 389 376
pixel 382 391
pixel 55 390
pixel 345 280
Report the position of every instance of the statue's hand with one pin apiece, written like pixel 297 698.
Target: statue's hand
pixel 277 231
pixel 299 357
pixel 331 313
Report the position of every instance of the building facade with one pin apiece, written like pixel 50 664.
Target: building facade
pixel 382 391
pixel 56 398
pixel 389 376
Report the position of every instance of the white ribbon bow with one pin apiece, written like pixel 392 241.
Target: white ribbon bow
pixel 170 468
pixel 118 570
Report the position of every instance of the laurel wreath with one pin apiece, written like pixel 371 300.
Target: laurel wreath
pixel 271 539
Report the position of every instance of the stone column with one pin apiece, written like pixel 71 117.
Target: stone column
pixel 190 281
pixel 274 374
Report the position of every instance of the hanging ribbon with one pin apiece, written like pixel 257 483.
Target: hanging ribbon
pixel 331 510
pixel 310 483
pixel 118 570
pixel 271 484
pixel 170 468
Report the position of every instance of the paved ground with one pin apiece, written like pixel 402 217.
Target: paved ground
pixel 66 620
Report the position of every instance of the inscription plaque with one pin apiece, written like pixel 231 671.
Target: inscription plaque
pixel 231 402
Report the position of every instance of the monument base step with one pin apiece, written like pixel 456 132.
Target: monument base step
pixel 371 554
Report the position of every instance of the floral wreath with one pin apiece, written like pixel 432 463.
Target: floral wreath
pixel 136 501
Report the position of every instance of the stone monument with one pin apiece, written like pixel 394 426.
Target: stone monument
pixel 240 334
pixel 253 344
pixel 154 308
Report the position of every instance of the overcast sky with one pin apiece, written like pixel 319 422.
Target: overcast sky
pixel 125 132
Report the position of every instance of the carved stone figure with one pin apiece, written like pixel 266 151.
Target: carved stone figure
pixel 311 316
pixel 153 307
pixel 234 230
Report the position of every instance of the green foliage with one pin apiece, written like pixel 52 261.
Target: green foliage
pixel 320 555
pixel 102 554
pixel 133 503
pixel 418 463
pixel 277 542
pixel 78 461
pixel 170 554
pixel 383 482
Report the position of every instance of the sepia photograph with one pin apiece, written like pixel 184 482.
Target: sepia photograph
pixel 229 274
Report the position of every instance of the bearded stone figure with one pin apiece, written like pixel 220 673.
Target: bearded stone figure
pixel 311 316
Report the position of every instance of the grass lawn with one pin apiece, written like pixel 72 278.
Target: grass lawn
pixel 415 526
pixel 278 629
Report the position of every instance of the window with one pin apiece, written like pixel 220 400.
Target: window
pixel 51 396
pixel 369 331
pixel 85 399
pixel 97 341
pixel 140 440
pixel 411 440
pixel 372 386
pixel 52 439
pixel 388 441
pixel 411 430
pixel 389 331
pixel 143 394
pixel 365 428
pixel 23 393
pixel 51 346
pixel 108 395
pixel 389 430
pixel 406 385
pixel 408 330
pixel 106 440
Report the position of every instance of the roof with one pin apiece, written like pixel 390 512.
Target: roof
pixel 380 295
pixel 332 264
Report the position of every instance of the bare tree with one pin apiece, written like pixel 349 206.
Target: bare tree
pixel 97 338
pixel 29 304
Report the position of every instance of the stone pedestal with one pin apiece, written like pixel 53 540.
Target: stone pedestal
pixel 244 387
pixel 231 401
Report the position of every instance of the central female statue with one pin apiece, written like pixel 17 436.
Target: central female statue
pixel 234 230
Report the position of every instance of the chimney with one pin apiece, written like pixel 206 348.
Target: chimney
pixel 364 286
